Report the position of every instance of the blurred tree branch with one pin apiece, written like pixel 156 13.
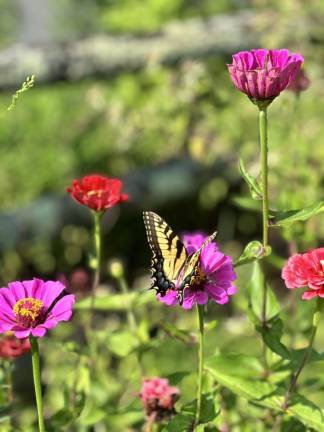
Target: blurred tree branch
pixel 107 55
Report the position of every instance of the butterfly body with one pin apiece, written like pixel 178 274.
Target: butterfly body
pixel 171 266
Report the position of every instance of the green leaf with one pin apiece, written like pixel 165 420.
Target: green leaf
pixel 122 343
pixel 234 373
pixel 284 219
pixel 256 295
pixel 60 419
pixel 263 393
pixel 255 188
pixel 116 302
pixel 271 334
pixel 247 203
pixel 183 422
pixel 253 250
pixel 91 414
pixel 182 335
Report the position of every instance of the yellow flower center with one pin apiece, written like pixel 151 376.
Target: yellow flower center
pixel 29 311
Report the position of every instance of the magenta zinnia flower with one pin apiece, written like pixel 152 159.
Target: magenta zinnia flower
pixel 263 74
pixel 306 270
pixel 158 398
pixel 217 275
pixel 32 307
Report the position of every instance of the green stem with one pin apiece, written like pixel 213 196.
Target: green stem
pixel 131 320
pixel 294 378
pixel 37 382
pixel 200 310
pixel 7 364
pixel 97 260
pixel 263 125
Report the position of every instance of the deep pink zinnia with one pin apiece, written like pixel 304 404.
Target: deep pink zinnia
pixel 306 270
pixel 158 397
pixel 97 192
pixel 32 307
pixel 263 74
pixel 217 275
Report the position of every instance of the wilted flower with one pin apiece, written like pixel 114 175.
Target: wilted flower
pixel 11 347
pixel 306 270
pixel 263 74
pixel 32 307
pixel 217 275
pixel 159 398
pixel 97 192
pixel 300 83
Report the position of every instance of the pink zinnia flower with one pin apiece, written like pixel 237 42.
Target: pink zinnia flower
pixel 158 398
pixel 306 270
pixel 32 307
pixel 97 192
pixel 217 275
pixel 11 347
pixel 263 74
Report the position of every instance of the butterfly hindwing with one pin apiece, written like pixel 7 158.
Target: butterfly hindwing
pixel 169 253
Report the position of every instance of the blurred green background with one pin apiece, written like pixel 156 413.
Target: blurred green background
pixel 174 134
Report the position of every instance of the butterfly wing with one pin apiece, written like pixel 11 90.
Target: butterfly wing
pixel 169 253
pixel 191 273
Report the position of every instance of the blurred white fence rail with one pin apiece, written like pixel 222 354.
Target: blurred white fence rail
pixel 105 55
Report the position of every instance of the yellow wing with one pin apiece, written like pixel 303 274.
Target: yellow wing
pixel 169 253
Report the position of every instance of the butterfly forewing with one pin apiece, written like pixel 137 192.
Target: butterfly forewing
pixel 169 253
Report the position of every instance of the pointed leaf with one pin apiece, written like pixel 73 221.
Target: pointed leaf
pixel 255 188
pixel 284 219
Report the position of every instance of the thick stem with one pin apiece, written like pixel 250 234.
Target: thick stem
pixel 37 382
pixel 263 125
pixel 294 378
pixel 200 310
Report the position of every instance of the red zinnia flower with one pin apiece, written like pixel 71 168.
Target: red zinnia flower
pixel 97 192
pixel 158 398
pixel 306 270
pixel 11 347
pixel 263 74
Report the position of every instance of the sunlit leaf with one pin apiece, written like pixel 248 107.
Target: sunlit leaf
pixel 122 343
pixel 255 188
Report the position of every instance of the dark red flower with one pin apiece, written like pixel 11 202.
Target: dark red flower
pixel 97 192
pixel 159 398
pixel 11 347
pixel 306 270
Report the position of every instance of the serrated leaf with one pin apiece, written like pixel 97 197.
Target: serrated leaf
pixel 252 182
pixel 252 251
pixel 284 219
pixel 256 295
